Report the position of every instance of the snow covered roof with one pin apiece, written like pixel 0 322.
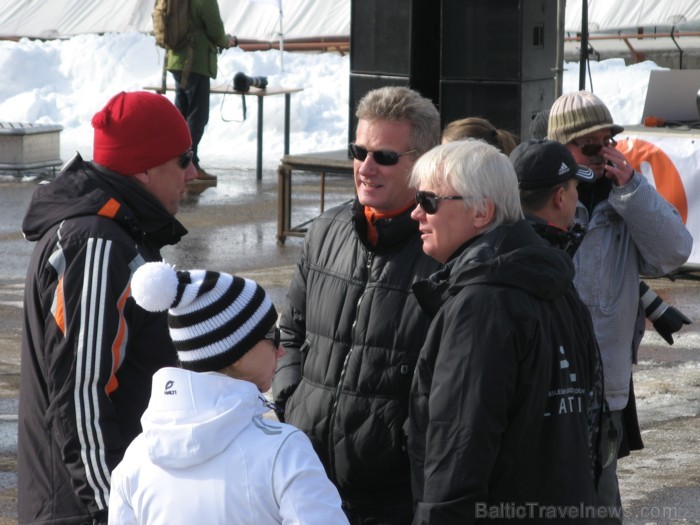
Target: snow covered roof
pixel 629 14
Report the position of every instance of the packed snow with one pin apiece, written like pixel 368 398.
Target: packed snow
pixel 66 81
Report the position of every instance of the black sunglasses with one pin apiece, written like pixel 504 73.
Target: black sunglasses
pixel 429 201
pixel 590 150
pixel 381 157
pixel 184 159
pixel 274 336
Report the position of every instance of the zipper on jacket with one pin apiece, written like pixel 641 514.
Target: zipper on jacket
pixel 339 386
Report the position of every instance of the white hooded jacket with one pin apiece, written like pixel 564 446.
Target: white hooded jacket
pixel 207 456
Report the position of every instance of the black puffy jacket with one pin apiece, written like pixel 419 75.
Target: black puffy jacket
pixel 353 330
pixel 508 387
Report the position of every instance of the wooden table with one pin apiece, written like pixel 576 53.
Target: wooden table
pixel 324 162
pixel 260 94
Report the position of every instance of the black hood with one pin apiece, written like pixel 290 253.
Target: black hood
pixel 86 189
pixel 510 255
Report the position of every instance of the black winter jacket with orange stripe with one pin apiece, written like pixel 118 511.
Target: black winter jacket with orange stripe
pixel 88 352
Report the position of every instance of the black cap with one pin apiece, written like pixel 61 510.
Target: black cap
pixel 546 163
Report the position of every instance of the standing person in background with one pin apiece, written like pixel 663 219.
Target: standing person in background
pixel 631 231
pixel 193 66
pixel 88 351
pixel 206 454
pixel 506 391
pixel 549 178
pixel 479 128
pixel 538 125
pixel 351 326
pixel 665 318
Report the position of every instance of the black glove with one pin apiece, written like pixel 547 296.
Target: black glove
pixel 665 318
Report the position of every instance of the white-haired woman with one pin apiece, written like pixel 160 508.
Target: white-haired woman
pixel 502 398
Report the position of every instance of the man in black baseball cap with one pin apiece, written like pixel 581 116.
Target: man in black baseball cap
pixel 548 177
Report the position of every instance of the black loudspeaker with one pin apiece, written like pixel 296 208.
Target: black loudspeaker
pixel 497 60
pixel 393 42
pixel 507 105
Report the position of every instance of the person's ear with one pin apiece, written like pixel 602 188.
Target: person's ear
pixel 484 215
pixel 142 177
pixel 558 198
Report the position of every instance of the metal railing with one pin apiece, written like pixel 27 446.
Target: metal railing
pixel 639 56
pixel 340 44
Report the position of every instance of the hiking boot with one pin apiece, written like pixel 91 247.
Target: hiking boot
pixel 203 175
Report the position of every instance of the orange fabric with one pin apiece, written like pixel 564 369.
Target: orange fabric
pixel 110 209
pixel 113 384
pixel 60 313
pixel 654 122
pixel 372 215
pixel 666 177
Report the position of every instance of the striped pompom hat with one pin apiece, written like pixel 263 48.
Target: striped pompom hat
pixel 214 318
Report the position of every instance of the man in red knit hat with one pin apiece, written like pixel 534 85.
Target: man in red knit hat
pixel 88 351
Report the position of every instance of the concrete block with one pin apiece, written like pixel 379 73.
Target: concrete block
pixel 29 146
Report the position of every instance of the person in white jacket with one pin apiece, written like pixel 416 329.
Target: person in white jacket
pixel 206 454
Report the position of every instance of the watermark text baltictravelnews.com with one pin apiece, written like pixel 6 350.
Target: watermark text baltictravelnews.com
pixel 534 510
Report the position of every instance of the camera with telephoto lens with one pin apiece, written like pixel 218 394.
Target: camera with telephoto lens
pixel 242 82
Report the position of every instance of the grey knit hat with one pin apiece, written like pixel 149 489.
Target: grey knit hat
pixel 576 114
pixel 214 318
pixel 538 125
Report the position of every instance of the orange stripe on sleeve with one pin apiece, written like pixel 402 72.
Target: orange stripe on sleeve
pixel 117 346
pixel 60 312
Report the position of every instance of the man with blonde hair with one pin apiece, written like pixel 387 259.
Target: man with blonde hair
pixel 351 325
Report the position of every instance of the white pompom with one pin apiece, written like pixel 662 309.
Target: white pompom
pixel 154 286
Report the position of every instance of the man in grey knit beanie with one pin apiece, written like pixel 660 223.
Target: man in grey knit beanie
pixel 632 231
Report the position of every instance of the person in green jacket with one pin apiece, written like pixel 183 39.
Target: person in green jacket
pixel 193 66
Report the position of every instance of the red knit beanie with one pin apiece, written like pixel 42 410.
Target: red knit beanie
pixel 138 131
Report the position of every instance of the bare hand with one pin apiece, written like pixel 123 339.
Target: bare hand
pixel 617 168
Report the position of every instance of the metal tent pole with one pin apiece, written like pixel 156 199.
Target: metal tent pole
pixel 583 58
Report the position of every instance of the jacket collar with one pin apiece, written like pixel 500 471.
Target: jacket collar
pixel 510 255
pixel 84 189
pixel 392 233
pixel 142 214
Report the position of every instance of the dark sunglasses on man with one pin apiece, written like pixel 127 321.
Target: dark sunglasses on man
pixel 592 149
pixel 429 201
pixel 382 157
pixel 184 159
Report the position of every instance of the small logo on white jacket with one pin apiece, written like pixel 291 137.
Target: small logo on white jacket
pixel 169 388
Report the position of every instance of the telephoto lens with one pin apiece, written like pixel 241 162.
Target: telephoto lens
pixel 258 82
pixel 242 82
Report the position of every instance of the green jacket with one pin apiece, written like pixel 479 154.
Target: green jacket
pixel 209 34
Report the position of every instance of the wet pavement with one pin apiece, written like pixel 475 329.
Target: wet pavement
pixel 232 228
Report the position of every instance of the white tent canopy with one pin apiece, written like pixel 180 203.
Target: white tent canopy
pixel 259 21
pixel 629 14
